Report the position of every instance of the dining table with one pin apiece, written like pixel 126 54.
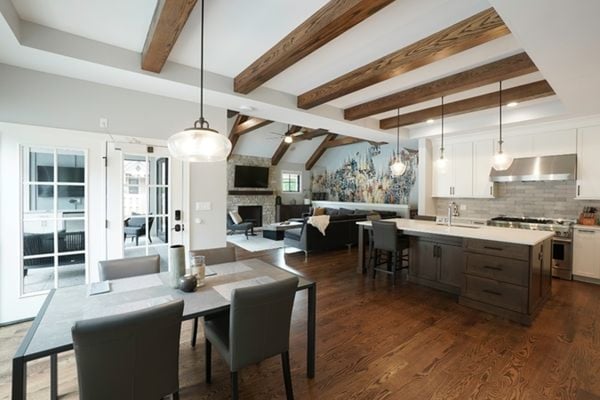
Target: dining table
pixel 50 332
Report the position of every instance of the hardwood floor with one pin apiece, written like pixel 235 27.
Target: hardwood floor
pixel 379 342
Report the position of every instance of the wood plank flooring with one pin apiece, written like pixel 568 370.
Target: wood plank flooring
pixel 375 341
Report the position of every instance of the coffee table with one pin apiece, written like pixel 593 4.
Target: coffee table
pixel 277 230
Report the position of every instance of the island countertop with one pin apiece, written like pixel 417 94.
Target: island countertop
pixel 496 234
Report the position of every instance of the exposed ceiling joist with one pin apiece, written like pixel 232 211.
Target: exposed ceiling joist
pixel 527 92
pixel 283 146
pixel 248 125
pixel 333 19
pixel 506 68
pixel 346 140
pixel 473 31
pixel 167 23
pixel 242 125
pixel 319 151
pixel 311 134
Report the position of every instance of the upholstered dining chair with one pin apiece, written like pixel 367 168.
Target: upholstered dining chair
pixel 257 328
pixel 128 267
pixel 214 256
pixel 131 356
pixel 394 246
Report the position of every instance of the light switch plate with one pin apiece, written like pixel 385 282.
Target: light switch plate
pixel 203 206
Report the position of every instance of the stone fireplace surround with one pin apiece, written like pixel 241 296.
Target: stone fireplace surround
pixel 267 200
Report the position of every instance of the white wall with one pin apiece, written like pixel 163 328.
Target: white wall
pixel 33 108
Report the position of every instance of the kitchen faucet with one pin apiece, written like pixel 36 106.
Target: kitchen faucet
pixel 452 212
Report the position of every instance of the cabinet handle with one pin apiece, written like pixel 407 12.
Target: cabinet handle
pixel 493 268
pixel 492 292
pixel 493 248
pixel 491 191
pixel 586 231
pixel 578 190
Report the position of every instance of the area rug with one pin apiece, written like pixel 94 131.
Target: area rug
pixel 254 243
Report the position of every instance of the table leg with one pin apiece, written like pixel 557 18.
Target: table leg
pixel 360 268
pixel 53 376
pixel 311 331
pixel 19 379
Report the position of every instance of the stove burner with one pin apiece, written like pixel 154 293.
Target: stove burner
pixel 560 227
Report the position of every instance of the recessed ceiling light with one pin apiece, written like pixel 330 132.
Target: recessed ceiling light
pixel 512 104
pixel 430 121
pixel 246 108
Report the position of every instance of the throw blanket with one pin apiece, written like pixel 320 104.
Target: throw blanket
pixel 320 222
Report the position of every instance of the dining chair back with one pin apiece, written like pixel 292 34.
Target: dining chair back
pixel 258 327
pixel 133 356
pixel 128 267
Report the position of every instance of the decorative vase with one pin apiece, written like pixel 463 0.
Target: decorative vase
pixel 176 264
pixel 187 283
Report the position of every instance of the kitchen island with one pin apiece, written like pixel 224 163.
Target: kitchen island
pixel 507 272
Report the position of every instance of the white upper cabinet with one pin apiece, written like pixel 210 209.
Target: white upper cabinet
pixel 588 165
pixel 483 153
pixel 555 143
pixel 517 146
pixel 457 181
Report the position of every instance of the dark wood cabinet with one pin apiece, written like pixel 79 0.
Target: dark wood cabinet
pixel 284 212
pixel 437 262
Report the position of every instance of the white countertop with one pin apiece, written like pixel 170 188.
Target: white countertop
pixel 497 234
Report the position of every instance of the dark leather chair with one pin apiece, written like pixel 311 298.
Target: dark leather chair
pixel 128 267
pixel 258 327
pixel 246 226
pixel 135 227
pixel 394 246
pixel 132 356
pixel 211 257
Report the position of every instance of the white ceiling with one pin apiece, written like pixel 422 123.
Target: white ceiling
pixel 559 36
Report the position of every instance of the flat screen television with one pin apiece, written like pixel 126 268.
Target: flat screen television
pixel 251 177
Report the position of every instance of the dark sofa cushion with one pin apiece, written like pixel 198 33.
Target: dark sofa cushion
pixel 331 211
pixel 345 211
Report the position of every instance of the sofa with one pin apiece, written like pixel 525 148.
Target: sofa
pixel 341 232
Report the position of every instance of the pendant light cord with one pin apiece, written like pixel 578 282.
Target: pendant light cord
pixel 442 148
pixel 398 133
pixel 500 142
pixel 202 121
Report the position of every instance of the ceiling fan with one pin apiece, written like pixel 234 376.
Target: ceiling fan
pixel 288 137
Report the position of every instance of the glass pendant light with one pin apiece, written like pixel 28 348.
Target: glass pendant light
pixel 398 168
pixel 501 161
pixel 442 163
pixel 200 143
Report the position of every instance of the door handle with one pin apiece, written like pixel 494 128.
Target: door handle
pixel 492 292
pixel 492 268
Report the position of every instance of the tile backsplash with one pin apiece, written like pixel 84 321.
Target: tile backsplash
pixel 532 199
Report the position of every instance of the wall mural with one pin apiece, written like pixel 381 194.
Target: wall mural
pixel 358 180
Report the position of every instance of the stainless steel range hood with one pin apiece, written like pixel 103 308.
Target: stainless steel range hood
pixel 530 169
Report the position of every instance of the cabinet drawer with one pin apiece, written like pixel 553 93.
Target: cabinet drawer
pixel 516 251
pixel 496 293
pixel 499 268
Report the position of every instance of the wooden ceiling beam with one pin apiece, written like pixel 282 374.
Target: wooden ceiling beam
pixel 167 23
pixel 233 137
pixel 311 134
pixel 283 146
pixel 343 141
pixel 521 93
pixel 501 70
pixel 248 125
pixel 473 31
pixel 319 151
pixel 333 19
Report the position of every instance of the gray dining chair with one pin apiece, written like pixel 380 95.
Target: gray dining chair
pixel 214 256
pixel 128 267
pixel 131 356
pixel 258 327
pixel 386 240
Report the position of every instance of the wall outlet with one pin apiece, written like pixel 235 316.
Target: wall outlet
pixel 463 207
pixel 103 122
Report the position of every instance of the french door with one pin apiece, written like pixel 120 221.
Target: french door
pixel 144 201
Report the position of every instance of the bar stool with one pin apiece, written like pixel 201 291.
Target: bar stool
pixel 394 246
pixel 371 217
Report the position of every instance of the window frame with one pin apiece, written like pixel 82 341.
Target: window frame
pixel 290 173
pixel 56 219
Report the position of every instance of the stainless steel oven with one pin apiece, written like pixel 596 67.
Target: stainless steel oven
pixel 562 258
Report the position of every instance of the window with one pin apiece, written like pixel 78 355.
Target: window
pixel 54 219
pixel 290 182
